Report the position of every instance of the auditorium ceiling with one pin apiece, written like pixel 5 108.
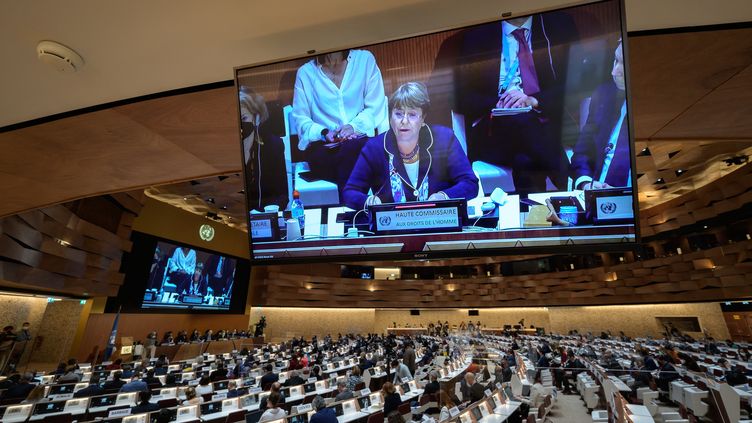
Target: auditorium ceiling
pixel 692 92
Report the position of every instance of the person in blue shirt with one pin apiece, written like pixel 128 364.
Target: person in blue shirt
pixel 323 413
pixel 135 385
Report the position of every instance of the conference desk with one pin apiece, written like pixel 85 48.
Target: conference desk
pixel 502 331
pixel 407 331
pixel 325 232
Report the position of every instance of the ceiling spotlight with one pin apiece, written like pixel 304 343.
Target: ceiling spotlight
pixel 645 152
pixel 224 207
pixel 679 172
pixel 660 181
pixel 210 200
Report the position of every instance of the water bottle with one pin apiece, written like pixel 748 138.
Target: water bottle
pixel 298 212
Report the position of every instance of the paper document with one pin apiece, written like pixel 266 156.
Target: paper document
pixel 504 111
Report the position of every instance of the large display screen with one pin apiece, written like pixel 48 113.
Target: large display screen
pixel 506 136
pixel 161 275
pixel 183 277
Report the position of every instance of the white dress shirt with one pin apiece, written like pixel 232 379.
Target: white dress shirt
pixel 510 68
pixel 319 104
pixel 179 261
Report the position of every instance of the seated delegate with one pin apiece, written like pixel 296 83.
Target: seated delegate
pixel 412 161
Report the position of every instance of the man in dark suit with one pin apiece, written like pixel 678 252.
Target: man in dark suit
pixel 268 378
pixel 144 406
pixel 219 272
pixel 471 390
pixel 601 156
pixel 408 357
pixel 116 383
pixel 488 69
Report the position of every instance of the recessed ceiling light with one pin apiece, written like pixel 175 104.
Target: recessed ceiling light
pixel 660 181
pixel 679 172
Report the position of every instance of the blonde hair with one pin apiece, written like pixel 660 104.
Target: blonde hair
pixel 410 95
pixel 253 102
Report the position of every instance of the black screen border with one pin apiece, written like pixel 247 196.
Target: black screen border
pixel 135 265
pixel 625 245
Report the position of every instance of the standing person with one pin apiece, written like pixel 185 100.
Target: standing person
pixel 181 267
pixel 338 103
pixel 22 339
pixel 519 63
pixel 7 341
pixel 408 357
pixel 400 371
pixel 601 156
pixel 151 343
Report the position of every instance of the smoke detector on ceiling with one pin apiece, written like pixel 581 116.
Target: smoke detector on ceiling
pixel 60 57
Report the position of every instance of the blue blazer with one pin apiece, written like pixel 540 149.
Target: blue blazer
pixel 441 158
pixel 591 147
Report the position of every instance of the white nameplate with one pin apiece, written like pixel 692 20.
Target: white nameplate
pixel 424 218
pixel 487 392
pixel 364 392
pixel 454 411
pixel 221 396
pixel 312 380
pixel 616 207
pixel 122 412
pixel 498 385
pixel 304 408
pixel 405 379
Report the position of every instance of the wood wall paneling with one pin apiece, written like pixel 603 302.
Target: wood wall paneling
pixel 53 249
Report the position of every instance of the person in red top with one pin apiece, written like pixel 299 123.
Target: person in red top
pixel 294 363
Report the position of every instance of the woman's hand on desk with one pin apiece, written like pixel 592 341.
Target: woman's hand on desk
pixel 436 196
pixel 595 185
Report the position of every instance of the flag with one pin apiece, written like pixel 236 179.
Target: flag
pixel 113 337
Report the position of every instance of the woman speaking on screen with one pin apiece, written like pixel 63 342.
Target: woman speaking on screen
pixel 412 161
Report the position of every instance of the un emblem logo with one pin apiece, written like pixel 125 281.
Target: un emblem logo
pixel 206 232
pixel 608 207
pixel 385 220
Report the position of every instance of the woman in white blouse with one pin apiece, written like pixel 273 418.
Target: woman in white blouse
pixel 338 103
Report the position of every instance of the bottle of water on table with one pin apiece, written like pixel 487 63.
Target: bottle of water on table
pixel 297 210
